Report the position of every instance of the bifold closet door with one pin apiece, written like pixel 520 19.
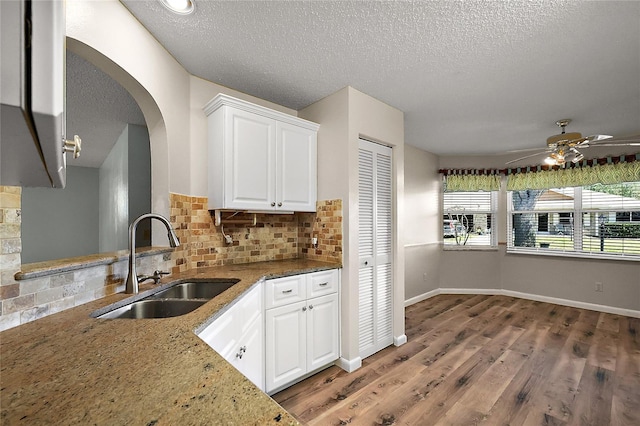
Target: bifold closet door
pixel 375 255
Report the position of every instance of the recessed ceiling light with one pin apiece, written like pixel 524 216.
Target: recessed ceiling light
pixel 181 7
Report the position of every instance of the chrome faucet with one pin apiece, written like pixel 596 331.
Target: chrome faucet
pixel 133 280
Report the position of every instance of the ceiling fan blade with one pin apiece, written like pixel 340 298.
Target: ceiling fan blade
pixel 633 140
pixel 515 151
pixel 528 156
pixel 595 138
pixel 611 144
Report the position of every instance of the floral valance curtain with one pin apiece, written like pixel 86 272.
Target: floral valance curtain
pixel 579 176
pixel 471 180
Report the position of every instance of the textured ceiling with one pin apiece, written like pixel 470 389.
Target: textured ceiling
pixel 98 109
pixel 471 77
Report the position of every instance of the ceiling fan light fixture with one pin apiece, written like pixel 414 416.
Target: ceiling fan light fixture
pixel 180 7
pixel 578 156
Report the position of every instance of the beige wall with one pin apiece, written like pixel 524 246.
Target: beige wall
pixel 422 220
pixel 170 98
pixel 346 116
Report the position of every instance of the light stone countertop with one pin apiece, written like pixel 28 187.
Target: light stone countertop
pixel 69 368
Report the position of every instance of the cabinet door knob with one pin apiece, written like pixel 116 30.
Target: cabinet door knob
pixel 242 350
pixel 273 204
pixel 74 146
pixel 304 308
pixel 279 204
pixel 310 307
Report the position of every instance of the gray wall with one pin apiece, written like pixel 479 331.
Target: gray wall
pixel 140 182
pixel 114 197
pixel 61 223
pixel 125 190
pixel 422 221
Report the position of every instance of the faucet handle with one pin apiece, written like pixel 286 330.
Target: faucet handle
pixel 157 275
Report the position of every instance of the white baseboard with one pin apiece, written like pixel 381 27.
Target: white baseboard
pixel 400 340
pixel 349 365
pixel 557 301
pixel 420 298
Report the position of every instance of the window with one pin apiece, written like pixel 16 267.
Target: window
pixel 595 220
pixel 469 219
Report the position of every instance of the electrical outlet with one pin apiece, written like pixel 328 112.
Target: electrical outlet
pixel 424 277
pixel 599 287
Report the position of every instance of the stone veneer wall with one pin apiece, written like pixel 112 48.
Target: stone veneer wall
pixel 274 237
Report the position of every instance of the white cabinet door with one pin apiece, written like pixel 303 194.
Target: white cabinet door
pixel 322 331
pixel 222 335
pixel 249 359
pixel 296 172
pixel 285 354
pixel 250 154
pixel 238 336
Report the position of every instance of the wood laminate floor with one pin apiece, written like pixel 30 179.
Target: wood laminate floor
pixel 491 360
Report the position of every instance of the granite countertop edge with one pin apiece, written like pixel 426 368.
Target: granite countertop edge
pixel 74 369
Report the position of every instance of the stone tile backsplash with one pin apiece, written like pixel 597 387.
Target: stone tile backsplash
pixel 274 237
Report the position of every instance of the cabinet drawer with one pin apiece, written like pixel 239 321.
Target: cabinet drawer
pixel 282 291
pixel 323 282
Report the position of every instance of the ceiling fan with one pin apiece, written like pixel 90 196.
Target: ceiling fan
pixel 566 147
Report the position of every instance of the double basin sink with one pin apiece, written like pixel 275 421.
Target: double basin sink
pixel 178 299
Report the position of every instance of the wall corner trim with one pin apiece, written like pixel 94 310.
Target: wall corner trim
pixel 399 340
pixel 349 365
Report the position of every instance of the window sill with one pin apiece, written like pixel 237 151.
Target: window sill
pixel 579 255
pixel 469 248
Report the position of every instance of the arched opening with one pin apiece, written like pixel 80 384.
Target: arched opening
pixel 155 124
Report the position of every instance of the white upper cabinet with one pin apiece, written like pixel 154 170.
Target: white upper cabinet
pixel 32 94
pixel 260 159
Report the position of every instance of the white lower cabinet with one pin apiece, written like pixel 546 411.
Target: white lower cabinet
pixel 238 336
pixel 301 336
pixel 286 336
pixel 297 333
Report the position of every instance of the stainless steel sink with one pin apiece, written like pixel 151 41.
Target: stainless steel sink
pixel 178 299
pixel 160 308
pixel 194 290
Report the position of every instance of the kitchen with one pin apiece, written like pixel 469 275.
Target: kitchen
pixel 172 111
pixel 172 101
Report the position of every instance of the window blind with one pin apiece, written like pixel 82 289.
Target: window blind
pixel 601 220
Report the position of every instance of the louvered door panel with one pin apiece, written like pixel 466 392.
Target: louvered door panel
pixel 365 247
pixel 384 307
pixel 365 204
pixel 365 309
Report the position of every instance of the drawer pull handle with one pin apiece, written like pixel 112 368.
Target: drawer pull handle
pixel 286 291
pixel 323 284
